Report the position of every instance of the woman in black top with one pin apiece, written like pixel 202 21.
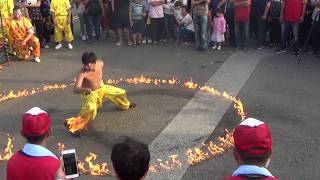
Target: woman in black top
pixel 120 19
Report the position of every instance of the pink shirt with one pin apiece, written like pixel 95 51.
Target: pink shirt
pixel 219 24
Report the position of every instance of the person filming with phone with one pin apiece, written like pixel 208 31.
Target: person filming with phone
pixel 35 161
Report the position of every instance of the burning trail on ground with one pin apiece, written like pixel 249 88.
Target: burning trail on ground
pixel 25 92
pixel 191 156
pixel 88 166
pixel 8 151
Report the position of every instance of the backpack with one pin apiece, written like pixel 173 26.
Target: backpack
pixel 275 8
pixel 93 8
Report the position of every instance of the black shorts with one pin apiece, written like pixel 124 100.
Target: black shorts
pixel 120 20
pixel 138 26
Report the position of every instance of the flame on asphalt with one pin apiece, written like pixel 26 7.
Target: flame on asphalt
pixel 191 156
pixel 8 151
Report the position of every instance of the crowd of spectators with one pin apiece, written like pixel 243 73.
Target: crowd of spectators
pixel 281 24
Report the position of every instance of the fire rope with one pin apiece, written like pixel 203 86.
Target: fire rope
pixel 193 155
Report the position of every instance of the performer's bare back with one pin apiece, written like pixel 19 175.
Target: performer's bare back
pixel 90 79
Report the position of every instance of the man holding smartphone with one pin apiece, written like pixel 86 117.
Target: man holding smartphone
pixel 35 161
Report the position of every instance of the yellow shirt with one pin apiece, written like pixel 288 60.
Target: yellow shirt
pixel 60 7
pixel 18 29
pixel 6 7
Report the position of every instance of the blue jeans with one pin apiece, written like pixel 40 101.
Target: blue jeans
pixel 186 34
pixel 93 21
pixel 285 32
pixel 242 33
pixel 261 30
pixel 82 24
pixel 200 29
pixel 169 26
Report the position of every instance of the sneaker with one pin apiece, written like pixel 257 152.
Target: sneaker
pixel 280 50
pixel 130 43
pixel 260 47
pixel 70 46
pixel 144 41
pixel 58 46
pixel 83 38
pixel 46 46
pixel 214 47
pixel 219 48
pixel 149 40
pixel 37 59
pixel 119 43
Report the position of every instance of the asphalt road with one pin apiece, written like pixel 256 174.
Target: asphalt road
pixel 272 87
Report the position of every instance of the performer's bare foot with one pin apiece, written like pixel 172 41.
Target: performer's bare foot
pixel 76 134
pixel 132 105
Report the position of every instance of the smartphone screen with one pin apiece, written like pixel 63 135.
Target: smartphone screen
pixel 70 164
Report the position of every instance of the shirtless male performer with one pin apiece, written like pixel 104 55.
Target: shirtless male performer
pixel 89 84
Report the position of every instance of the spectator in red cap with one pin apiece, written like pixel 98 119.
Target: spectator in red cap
pixel 253 148
pixel 35 161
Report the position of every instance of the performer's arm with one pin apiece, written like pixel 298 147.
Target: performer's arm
pixel 38 4
pixel 196 2
pixel 304 7
pixel 29 35
pixel 112 5
pixel 102 8
pixel 266 10
pixel 78 85
pixel 157 3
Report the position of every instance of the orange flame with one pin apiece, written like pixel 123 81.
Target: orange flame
pixel 210 149
pixel 75 124
pixel 8 150
pixel 13 95
pixel 196 155
pixel 93 169
pixel 191 85
pixel 96 169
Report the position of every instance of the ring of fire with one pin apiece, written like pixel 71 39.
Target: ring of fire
pixel 194 155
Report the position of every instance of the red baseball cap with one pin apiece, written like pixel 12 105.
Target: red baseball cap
pixel 35 122
pixel 253 137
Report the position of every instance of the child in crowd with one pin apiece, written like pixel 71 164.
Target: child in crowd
pixel 136 17
pixel 219 28
pixel 147 32
pixel 178 17
pixel 168 20
pixel 48 25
